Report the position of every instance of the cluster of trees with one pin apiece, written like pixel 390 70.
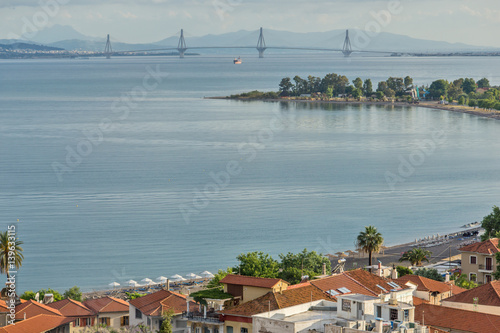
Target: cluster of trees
pixel 74 293
pixel 464 91
pixel 416 256
pixel 334 85
pixel 331 85
pixel 291 267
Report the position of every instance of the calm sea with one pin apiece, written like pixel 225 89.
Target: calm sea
pixel 141 185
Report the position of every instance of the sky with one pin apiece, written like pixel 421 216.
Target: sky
pixel 474 22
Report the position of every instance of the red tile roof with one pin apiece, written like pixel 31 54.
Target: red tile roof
pixel 489 246
pixel 418 301
pixel 106 305
pixel 71 308
pixel 275 300
pixel 426 284
pixel 33 308
pixel 299 285
pixel 38 324
pixel 358 281
pixel 456 319
pixel 252 281
pixel 157 303
pixel 487 294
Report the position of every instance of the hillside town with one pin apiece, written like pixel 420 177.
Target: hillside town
pixel 370 299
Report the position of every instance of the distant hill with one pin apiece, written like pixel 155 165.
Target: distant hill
pixel 68 38
pixel 59 32
pixel 27 46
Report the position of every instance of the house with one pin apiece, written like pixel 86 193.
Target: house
pixel 351 313
pixel 149 310
pixel 429 290
pixel 247 288
pixel 456 320
pixel 357 281
pixel 112 312
pixel 32 308
pixel 81 316
pixel 238 319
pixel 41 323
pixel 478 260
pixel 484 299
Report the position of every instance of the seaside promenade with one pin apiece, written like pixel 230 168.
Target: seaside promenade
pixel 444 248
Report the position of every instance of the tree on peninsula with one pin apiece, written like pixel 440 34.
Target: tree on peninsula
pixel 10 246
pixel 491 224
pixel 369 241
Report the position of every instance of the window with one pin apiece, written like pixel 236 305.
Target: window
pixel 77 322
pixel 473 260
pixel 244 330
pixel 229 329
pixel 346 305
pixel 216 330
pixel 473 277
pixel 487 278
pixel 124 321
pixel 406 315
pixel 378 311
pixel 198 330
pixel 105 321
pixel 138 314
pixel 394 314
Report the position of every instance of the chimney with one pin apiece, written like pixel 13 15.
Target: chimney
pixel 393 300
pixel 324 268
pixel 168 284
pixel 447 278
pixel 394 272
pixel 379 269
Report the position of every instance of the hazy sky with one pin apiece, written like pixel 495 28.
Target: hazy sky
pixel 474 22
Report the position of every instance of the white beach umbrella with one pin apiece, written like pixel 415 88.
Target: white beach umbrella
pixel 134 284
pixel 207 274
pixel 193 276
pixel 161 278
pixel 147 281
pixel 114 284
pixel 130 282
pixel 176 277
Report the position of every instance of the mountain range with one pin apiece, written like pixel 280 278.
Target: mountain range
pixel 68 38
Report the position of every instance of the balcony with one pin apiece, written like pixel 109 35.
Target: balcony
pixel 195 316
pixel 485 268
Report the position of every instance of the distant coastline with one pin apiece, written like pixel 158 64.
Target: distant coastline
pixel 494 114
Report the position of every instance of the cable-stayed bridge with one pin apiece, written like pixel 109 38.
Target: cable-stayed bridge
pixel 261 47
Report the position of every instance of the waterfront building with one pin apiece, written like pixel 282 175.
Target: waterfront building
pixel 429 290
pixel 484 299
pixel 247 288
pixel 478 260
pixel 149 310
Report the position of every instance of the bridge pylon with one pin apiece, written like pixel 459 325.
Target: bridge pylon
pixel 347 49
pixel 261 44
pixel 181 46
pixel 108 50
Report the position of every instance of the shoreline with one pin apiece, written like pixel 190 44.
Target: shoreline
pixel 494 114
pixel 447 244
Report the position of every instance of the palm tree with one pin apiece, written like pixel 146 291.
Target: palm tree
pixel 416 256
pixel 5 248
pixel 369 241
